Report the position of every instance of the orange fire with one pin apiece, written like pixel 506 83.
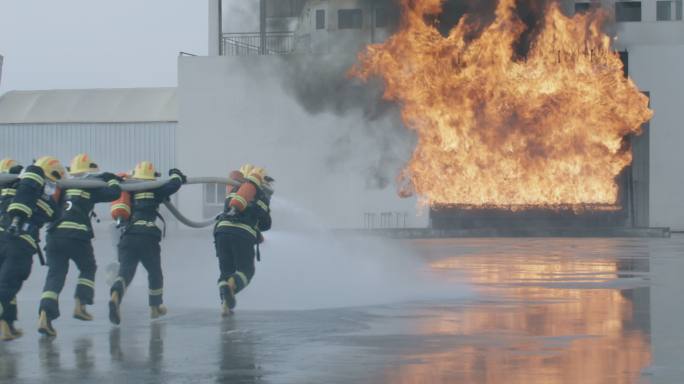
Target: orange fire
pixel 494 129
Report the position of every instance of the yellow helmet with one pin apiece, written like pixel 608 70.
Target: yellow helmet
pixel 144 170
pixel 82 164
pixel 52 167
pixel 246 169
pixel 256 175
pixel 6 165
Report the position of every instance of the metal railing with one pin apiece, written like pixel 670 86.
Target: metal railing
pixel 384 220
pixel 253 43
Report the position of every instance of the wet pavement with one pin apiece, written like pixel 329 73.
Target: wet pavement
pixel 536 311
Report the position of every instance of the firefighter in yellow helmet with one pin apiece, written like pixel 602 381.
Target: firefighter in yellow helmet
pixel 238 230
pixel 32 205
pixel 7 193
pixel 70 238
pixel 140 241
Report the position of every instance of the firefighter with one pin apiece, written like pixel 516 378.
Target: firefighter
pixel 33 205
pixel 7 193
pixel 69 238
pixel 238 230
pixel 140 241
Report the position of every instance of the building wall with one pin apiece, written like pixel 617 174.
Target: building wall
pixel 115 146
pixel 658 70
pixel 234 110
pixel 330 37
pixel 656 54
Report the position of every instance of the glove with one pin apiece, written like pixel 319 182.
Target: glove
pixel 16 170
pixel 175 171
pixel 13 228
pixel 108 176
pixel 50 189
pixel 231 212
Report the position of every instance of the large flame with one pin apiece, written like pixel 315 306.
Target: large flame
pixel 496 129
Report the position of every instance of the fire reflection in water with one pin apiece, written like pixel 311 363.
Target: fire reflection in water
pixel 542 319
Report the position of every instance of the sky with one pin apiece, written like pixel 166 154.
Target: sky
pixel 55 44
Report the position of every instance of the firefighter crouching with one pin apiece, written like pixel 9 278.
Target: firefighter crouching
pixel 7 193
pixel 33 205
pixel 238 230
pixel 140 241
pixel 70 238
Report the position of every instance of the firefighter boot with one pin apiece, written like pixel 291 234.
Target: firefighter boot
pixel 157 311
pixel 17 332
pixel 80 312
pixel 7 331
pixel 228 295
pixel 114 309
pixel 45 325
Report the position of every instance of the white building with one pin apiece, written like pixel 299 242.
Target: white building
pixel 650 32
pixel 654 42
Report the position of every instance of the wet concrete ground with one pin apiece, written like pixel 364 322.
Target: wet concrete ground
pixel 538 311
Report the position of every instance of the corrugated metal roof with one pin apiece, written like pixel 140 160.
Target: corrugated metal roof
pixel 116 105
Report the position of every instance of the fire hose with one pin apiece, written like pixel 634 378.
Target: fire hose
pixel 136 186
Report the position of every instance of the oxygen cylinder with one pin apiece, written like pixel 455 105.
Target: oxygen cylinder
pixel 120 208
pixel 244 195
pixel 57 195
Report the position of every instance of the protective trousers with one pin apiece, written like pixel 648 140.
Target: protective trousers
pixel 16 259
pixel 134 249
pixel 236 260
pixel 59 251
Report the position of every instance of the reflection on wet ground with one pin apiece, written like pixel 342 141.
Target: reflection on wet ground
pixel 574 312
pixel 543 311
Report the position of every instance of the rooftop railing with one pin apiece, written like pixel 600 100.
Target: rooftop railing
pixel 254 43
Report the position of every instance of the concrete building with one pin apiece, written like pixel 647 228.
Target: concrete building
pixel 237 99
pixel 650 35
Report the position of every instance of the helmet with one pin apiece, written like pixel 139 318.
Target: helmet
pixel 6 165
pixel 52 167
pixel 144 170
pixel 246 169
pixel 82 164
pixel 256 175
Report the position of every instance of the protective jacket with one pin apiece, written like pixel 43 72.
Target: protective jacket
pixel 31 205
pixel 77 209
pixel 145 208
pixel 256 218
pixel 7 193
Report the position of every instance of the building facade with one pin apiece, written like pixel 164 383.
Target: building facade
pixel 117 127
pixel 650 35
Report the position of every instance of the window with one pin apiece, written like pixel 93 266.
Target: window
pixel 214 196
pixel 624 57
pixel 349 19
pixel 320 19
pixel 582 7
pixel 628 11
pixel 284 8
pixel 381 18
pixel 669 10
